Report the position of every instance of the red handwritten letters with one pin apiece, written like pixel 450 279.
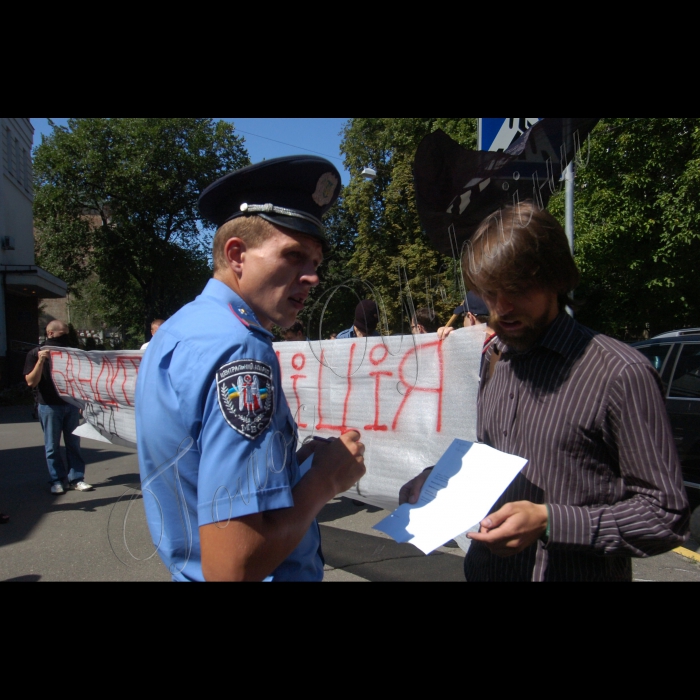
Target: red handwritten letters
pixel 354 390
pixel 102 379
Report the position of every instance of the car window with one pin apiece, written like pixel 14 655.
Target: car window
pixel 656 354
pixel 686 378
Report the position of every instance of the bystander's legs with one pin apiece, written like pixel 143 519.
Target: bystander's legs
pixel 51 418
pixel 76 464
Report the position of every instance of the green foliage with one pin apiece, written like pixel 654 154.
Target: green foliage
pixel 116 201
pixel 637 226
pixel 335 292
pixel 637 221
pixel 87 304
pixel 390 242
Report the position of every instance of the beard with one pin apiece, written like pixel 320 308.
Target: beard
pixel 526 337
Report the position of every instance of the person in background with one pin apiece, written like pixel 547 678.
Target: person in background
pixel 56 415
pixel 295 332
pixel 365 323
pixel 475 312
pixel 425 321
pixel 155 325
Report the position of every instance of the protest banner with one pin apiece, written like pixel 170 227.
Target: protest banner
pixel 103 385
pixel 409 397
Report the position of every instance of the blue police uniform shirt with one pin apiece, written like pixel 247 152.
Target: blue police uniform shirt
pixel 216 439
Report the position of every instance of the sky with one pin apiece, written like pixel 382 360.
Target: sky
pixel 263 136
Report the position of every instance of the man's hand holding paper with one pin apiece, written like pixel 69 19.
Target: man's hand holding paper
pixel 410 492
pixel 512 528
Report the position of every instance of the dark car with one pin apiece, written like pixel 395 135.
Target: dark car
pixel 676 357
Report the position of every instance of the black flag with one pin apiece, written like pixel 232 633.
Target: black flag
pixel 457 187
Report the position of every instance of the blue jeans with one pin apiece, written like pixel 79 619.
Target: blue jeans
pixel 54 421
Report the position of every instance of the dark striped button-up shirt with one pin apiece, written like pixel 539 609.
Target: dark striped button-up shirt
pixel 588 414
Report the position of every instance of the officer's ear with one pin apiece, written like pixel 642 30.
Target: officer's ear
pixel 234 252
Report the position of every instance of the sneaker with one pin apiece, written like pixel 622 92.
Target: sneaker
pixel 81 486
pixel 57 488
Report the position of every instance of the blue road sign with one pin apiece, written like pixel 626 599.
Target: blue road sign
pixel 497 133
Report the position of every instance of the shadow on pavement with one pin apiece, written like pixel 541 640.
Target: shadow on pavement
pixel 342 507
pixel 24 479
pixel 28 578
pixel 380 559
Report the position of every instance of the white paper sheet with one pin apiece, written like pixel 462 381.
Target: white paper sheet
pixel 87 431
pixel 461 489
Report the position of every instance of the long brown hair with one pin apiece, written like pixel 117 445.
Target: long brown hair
pixel 519 247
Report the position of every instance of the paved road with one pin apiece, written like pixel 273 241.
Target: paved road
pixel 82 536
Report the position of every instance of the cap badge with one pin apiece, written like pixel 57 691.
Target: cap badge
pixel 325 187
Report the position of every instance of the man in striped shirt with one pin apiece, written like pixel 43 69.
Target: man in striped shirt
pixel 603 481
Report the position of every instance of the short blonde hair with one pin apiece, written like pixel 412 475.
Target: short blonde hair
pixel 251 229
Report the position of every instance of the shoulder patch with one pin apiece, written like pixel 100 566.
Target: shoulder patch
pixel 246 396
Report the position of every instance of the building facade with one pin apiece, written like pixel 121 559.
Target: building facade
pixel 23 283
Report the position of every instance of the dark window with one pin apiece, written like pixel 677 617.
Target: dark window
pixel 656 354
pixel 686 378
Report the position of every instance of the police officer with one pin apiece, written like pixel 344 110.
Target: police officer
pixel 227 495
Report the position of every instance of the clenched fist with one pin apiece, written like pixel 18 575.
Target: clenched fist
pixel 342 461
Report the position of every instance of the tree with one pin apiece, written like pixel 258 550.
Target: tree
pixel 637 226
pixel 391 250
pixel 118 198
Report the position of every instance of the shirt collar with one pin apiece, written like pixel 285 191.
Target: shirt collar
pixel 239 308
pixel 561 336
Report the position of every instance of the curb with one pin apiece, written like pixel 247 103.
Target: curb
pixel 687 553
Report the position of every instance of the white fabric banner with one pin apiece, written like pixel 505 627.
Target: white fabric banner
pixel 103 384
pixel 408 396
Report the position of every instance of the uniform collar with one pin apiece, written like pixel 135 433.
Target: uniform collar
pixel 561 336
pixel 239 308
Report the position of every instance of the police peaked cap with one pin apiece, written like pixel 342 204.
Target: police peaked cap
pixel 473 304
pixel 293 192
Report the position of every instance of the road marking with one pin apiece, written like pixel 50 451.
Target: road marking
pixel 687 553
